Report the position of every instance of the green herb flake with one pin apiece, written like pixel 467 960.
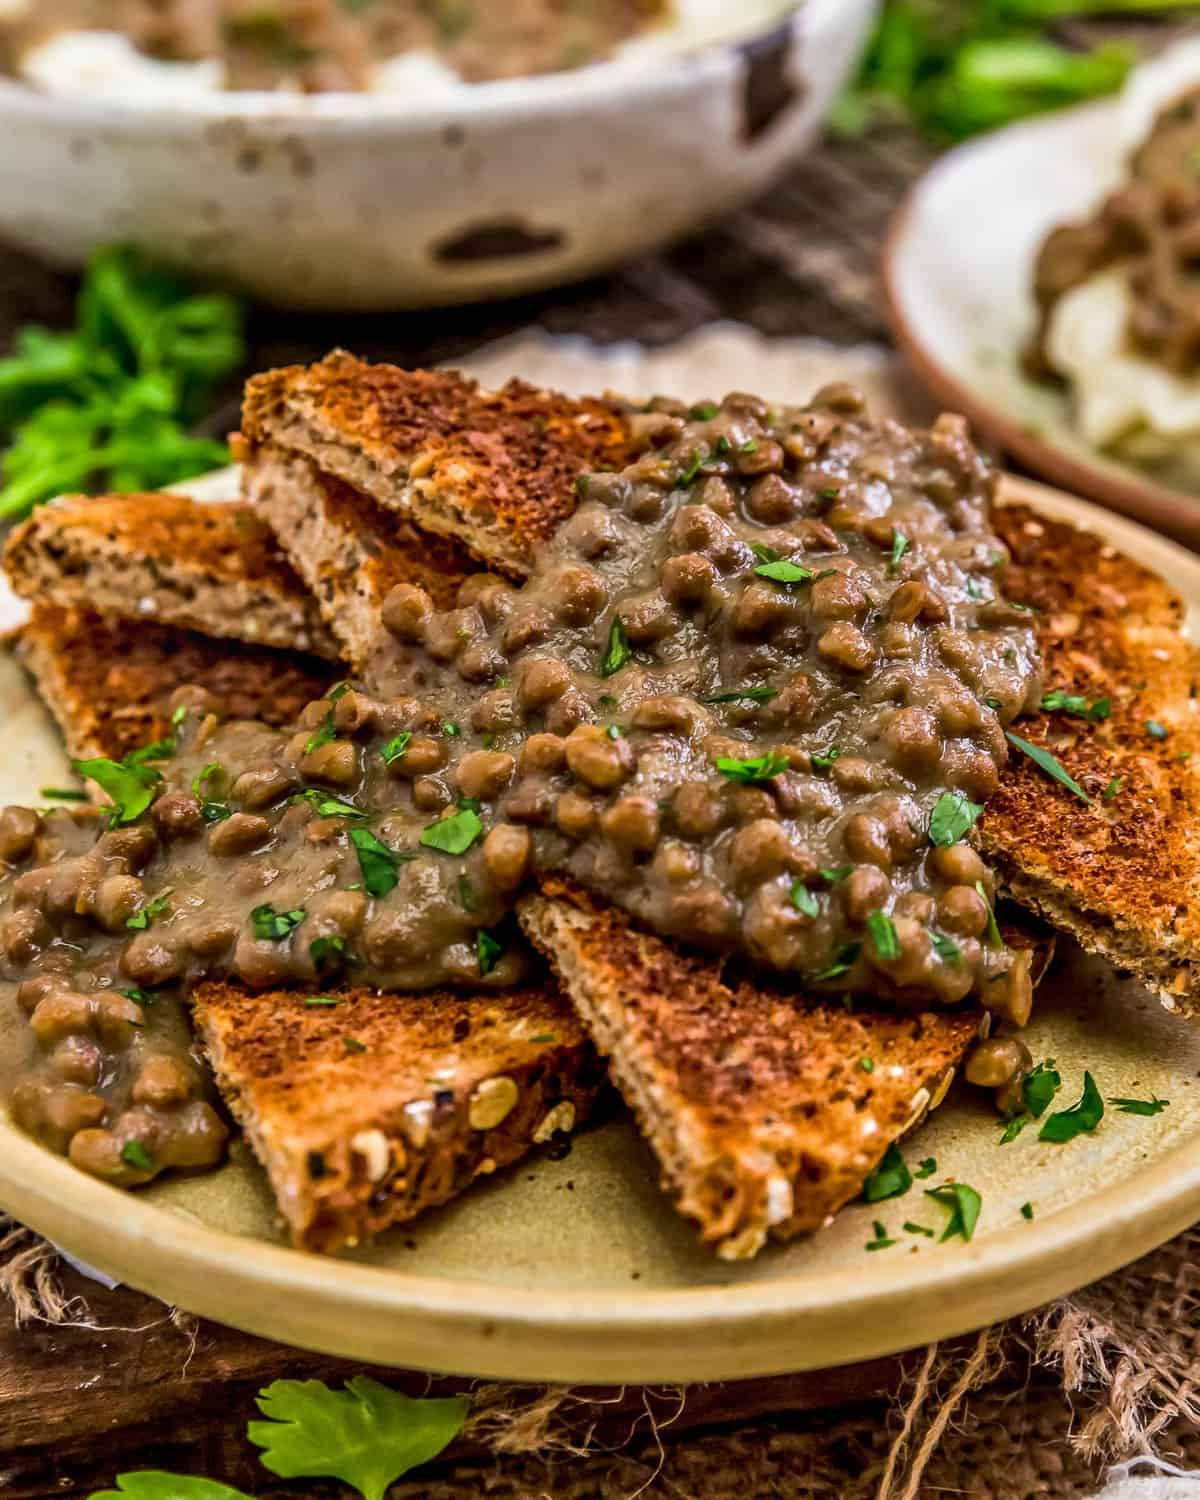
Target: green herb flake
pixel 899 548
pixel 328 955
pixel 867 1064
pixel 881 1240
pixel 380 865
pixel 614 731
pixel 1052 766
pixel 138 996
pixel 353 1045
pixel 783 572
pixel 453 835
pixel 1082 1117
pixel 749 446
pixel 843 961
pixel 1013 1128
pixel 754 695
pixel 274 926
pixel 927 1167
pixel 1112 789
pixel 911 1228
pixel 62 794
pixel 763 553
pixel 617 652
pixel 1152 1106
pixel 395 748
pixel 991 933
pixel 884 939
pixel 964 1204
pixel 687 475
pixel 314 1001
pixel 839 872
pixel 149 913
pixel 466 894
pixel 1027 1210
pixel 829 492
pixel 1080 708
pixel 130 786
pixel 946 949
pixel 704 412
pixel 544 1038
pixel 760 768
pixel 328 807
pixel 135 1155
pixel 1039 1087
pixel 953 816
pixel 488 951
pixel 366 1435
pixel 974 591
pixel 822 760
pixel 890 1179
pixel 804 900
pixel 325 735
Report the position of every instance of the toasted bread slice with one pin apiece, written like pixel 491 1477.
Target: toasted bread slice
pixel 1121 875
pixel 495 471
pixel 367 1112
pixel 109 682
pixel 766 1112
pixel 169 560
pixel 350 551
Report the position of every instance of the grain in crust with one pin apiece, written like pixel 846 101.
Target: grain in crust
pixel 754 1100
pixel 167 560
pixel 446 1089
pixel 494 470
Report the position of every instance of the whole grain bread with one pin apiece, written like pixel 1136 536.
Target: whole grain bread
pixel 766 1111
pixel 1122 874
pixel 350 551
pixel 367 1112
pixel 495 471
pixel 109 682
pixel 168 560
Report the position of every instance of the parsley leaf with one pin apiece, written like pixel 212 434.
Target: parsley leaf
pixel 804 900
pixel 395 748
pixel 927 1167
pixel 1052 766
pixel 453 835
pixel 273 926
pixel 328 807
pixel 1027 1210
pixel 328 955
pixel 911 1228
pixel 843 961
pixel 839 872
pixel 142 919
pixel 890 1179
pixel 1111 790
pixel 312 1001
pixel 487 950
pixel 1040 1086
pixel 991 933
pixel 62 794
pixel 617 652
pixel 952 817
pixel 1152 1106
pixel 946 948
pixel 154 1484
pixel 784 572
pixel 366 1435
pixel 964 1204
pixel 899 548
pixel 1070 703
pixel 134 1154
pixel 380 865
pixel 211 810
pixel 760 768
pixel 129 785
pixel 881 1240
pixel 755 694
pixel 705 412
pixel 883 936
pixel 1084 1115
pixel 822 760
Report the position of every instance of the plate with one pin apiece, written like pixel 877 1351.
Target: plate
pixel 957 274
pixel 579 1271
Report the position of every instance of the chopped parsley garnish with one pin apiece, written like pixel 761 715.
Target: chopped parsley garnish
pixel 487 950
pixel 839 872
pixel 754 694
pixel 964 1204
pixel 881 1241
pixel 1071 703
pixel 211 810
pixel 882 931
pixel 843 961
pixel 273 926
pixel 993 703
pixel 130 785
pixel 763 553
pixel 1155 730
pixel 1049 763
pixel 867 1064
pixel 451 730
pixel 325 735
pixel 760 768
pixel 911 1228
pixel 1027 1210
pixel 380 865
pixel 829 492
pixel 135 1155
pixel 686 476
pixel 328 955
pixel 313 1001
pixel 544 1038
pixel 62 794
pixel 466 894
pixel 784 572
pixel 1152 1106
pixel 952 817
pixel 614 731
pixel 749 446
pixel 899 548
pixel 1040 1086
pixel 141 920
pixel 705 412
pixel 890 1179
pixel 1111 790
pixel 138 996
pixel 607 700
pixel 1083 1116
pixel 804 900
pixel 946 949
pixel 927 1167
pixel 395 748
pixel 974 591
pixel 821 760
pixel 617 652
pixel 352 1044
pixel 328 807
pixel 991 933
pixel 454 835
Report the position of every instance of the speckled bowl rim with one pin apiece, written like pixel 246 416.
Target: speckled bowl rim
pixel 681 68
pixel 789 1323
pixel 1172 512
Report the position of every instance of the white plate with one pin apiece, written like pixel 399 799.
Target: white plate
pixel 958 270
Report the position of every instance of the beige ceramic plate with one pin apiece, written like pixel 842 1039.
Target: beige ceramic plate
pixel 578 1271
pixel 957 271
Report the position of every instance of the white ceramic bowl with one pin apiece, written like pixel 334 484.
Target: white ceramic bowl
pixel 381 201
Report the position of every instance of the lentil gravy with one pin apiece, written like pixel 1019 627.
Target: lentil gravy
pixel 754 693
